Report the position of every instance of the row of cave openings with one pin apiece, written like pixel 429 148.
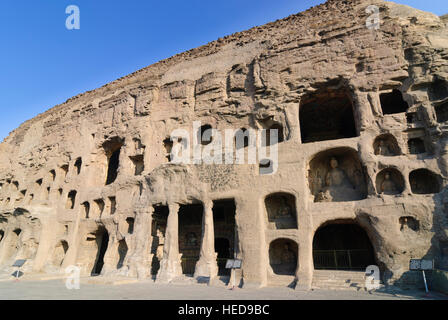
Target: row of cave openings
pixel 338 123
pixel 111 148
pixel 329 115
pixel 190 230
pixel 337 245
pixel 17 242
pixel 337 175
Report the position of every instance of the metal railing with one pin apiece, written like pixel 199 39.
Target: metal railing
pixel 354 259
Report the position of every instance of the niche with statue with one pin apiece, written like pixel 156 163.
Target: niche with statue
pixel 283 254
pixel 389 182
pixel 337 175
pixel 386 145
pixel 281 209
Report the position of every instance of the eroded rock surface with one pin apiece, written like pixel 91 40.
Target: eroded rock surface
pixel 362 159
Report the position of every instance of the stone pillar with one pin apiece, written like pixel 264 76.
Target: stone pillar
pixel 170 266
pixel 139 247
pixel 207 265
pixel 304 274
pixel 254 252
pixel 46 240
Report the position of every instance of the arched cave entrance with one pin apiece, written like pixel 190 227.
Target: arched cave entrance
pixel 386 145
pixel 424 181
pixel 190 232
pixel 283 255
pixel 59 253
pixel 122 252
pixel 225 234
pixel 112 150
pixel 342 245
pixel 102 241
pixel 12 245
pixel 390 181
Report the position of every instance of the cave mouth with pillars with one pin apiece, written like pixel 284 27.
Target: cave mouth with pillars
pixel 337 175
pixel 190 235
pixel 283 255
pixel 225 234
pixel 342 245
pixel 327 115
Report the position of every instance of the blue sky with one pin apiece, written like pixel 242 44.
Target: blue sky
pixel 42 64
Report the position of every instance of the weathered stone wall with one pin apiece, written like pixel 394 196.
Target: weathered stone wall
pixel 54 168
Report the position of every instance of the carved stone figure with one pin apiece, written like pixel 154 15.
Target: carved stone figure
pixel 284 210
pixel 383 149
pixel 337 185
pixel 388 186
pixel 288 256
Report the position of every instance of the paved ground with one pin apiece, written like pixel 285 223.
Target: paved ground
pixel 55 289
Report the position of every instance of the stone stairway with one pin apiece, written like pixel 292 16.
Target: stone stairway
pixel 339 280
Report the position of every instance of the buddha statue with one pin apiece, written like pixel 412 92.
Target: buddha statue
pixel 383 149
pixel 284 210
pixel 336 176
pixel 288 257
pixel 388 186
pixel 337 186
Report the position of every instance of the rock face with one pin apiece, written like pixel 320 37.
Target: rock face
pixel 360 177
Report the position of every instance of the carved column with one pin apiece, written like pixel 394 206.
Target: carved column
pixel 170 266
pixel 140 243
pixel 207 265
